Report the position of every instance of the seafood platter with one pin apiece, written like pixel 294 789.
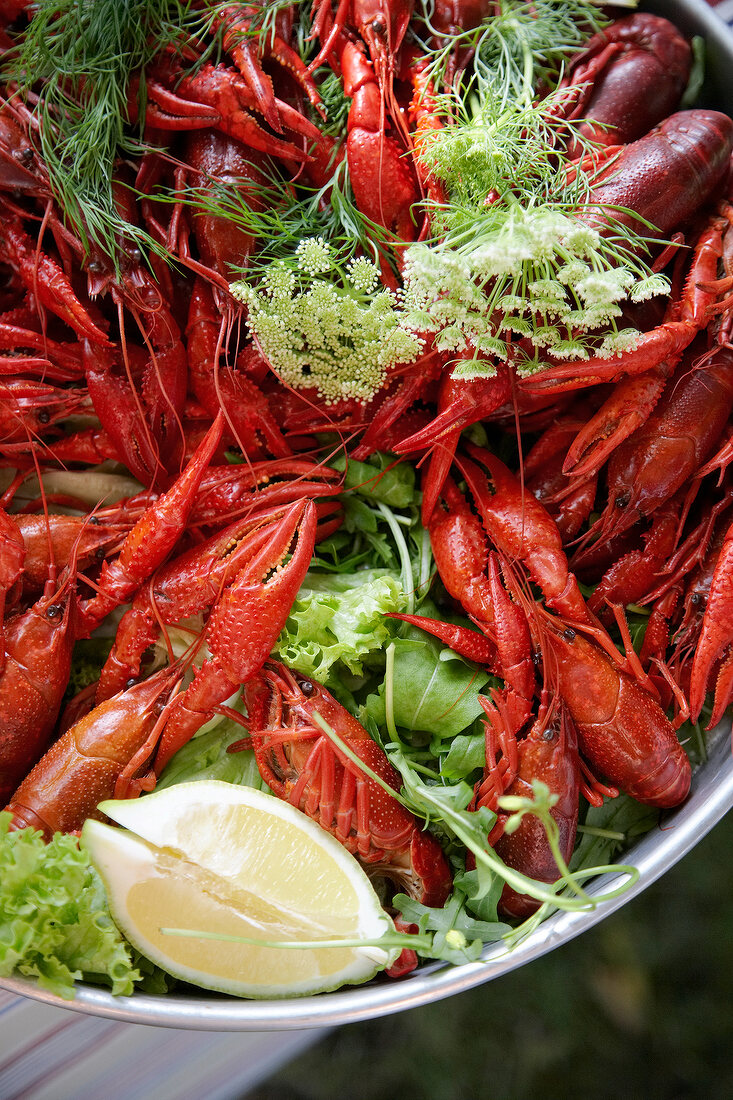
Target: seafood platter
pixel 366 514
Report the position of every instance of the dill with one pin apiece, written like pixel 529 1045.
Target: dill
pixel 522 47
pixel 84 59
pixel 279 217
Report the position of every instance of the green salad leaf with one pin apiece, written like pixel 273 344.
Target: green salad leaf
pixel 435 689
pixel 206 757
pixel 54 921
pixel 380 479
pixel 339 618
pixel 609 828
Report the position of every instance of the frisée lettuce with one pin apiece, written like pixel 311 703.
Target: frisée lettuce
pixel 54 921
pixel 339 618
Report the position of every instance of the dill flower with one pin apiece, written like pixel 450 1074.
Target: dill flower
pixel 320 325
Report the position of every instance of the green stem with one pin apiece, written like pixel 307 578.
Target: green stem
pixel 390 939
pixel 608 834
pixel 389 692
pixel 408 581
pixel 333 736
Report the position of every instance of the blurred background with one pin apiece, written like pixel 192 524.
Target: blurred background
pixel 640 1006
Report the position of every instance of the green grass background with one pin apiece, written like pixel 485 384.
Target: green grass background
pixel 639 1007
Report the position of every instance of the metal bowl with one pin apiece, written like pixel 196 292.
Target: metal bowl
pixel 711 796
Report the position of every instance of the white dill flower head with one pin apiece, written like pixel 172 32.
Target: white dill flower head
pixel 649 287
pixel 599 316
pixel 520 326
pixel 545 336
pixel 579 239
pixel 278 281
pixel 547 293
pixel 243 292
pixel 570 349
pixel 328 334
pixel 314 256
pixel 546 230
pixel 492 346
pixel 572 272
pixel 478 367
pixel 451 338
pixel 512 303
pixel 600 288
pixel 363 274
pixel 616 343
pixel 508 252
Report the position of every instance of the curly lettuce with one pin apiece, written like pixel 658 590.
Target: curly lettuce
pixel 54 921
pixel 339 620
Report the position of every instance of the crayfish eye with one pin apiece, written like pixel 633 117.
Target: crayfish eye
pixel 623 500
pixel 306 687
pixel 53 611
pixel 44 416
pixel 569 634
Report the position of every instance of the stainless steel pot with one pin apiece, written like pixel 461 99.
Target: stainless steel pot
pixel 711 796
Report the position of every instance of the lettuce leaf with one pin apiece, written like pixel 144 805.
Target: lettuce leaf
pixel 435 689
pixel 339 619
pixel 206 757
pixel 383 478
pixel 54 921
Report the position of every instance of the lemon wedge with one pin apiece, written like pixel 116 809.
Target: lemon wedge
pixel 213 857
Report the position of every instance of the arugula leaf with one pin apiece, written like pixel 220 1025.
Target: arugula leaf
pixel 482 892
pixel 466 753
pixel 452 916
pixel 609 829
pixel 380 479
pixel 457 937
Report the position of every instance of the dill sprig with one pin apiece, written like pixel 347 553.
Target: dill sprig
pixel 522 47
pixel 521 281
pixel 491 147
pixel 280 216
pixel 524 264
pixel 83 60
pixel 322 319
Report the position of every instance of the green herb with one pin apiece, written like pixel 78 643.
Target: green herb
pixel 327 325
pixel 83 57
pixel 523 45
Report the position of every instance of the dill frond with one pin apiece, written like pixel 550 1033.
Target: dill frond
pixel 521 48
pixel 78 62
pixel 279 217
